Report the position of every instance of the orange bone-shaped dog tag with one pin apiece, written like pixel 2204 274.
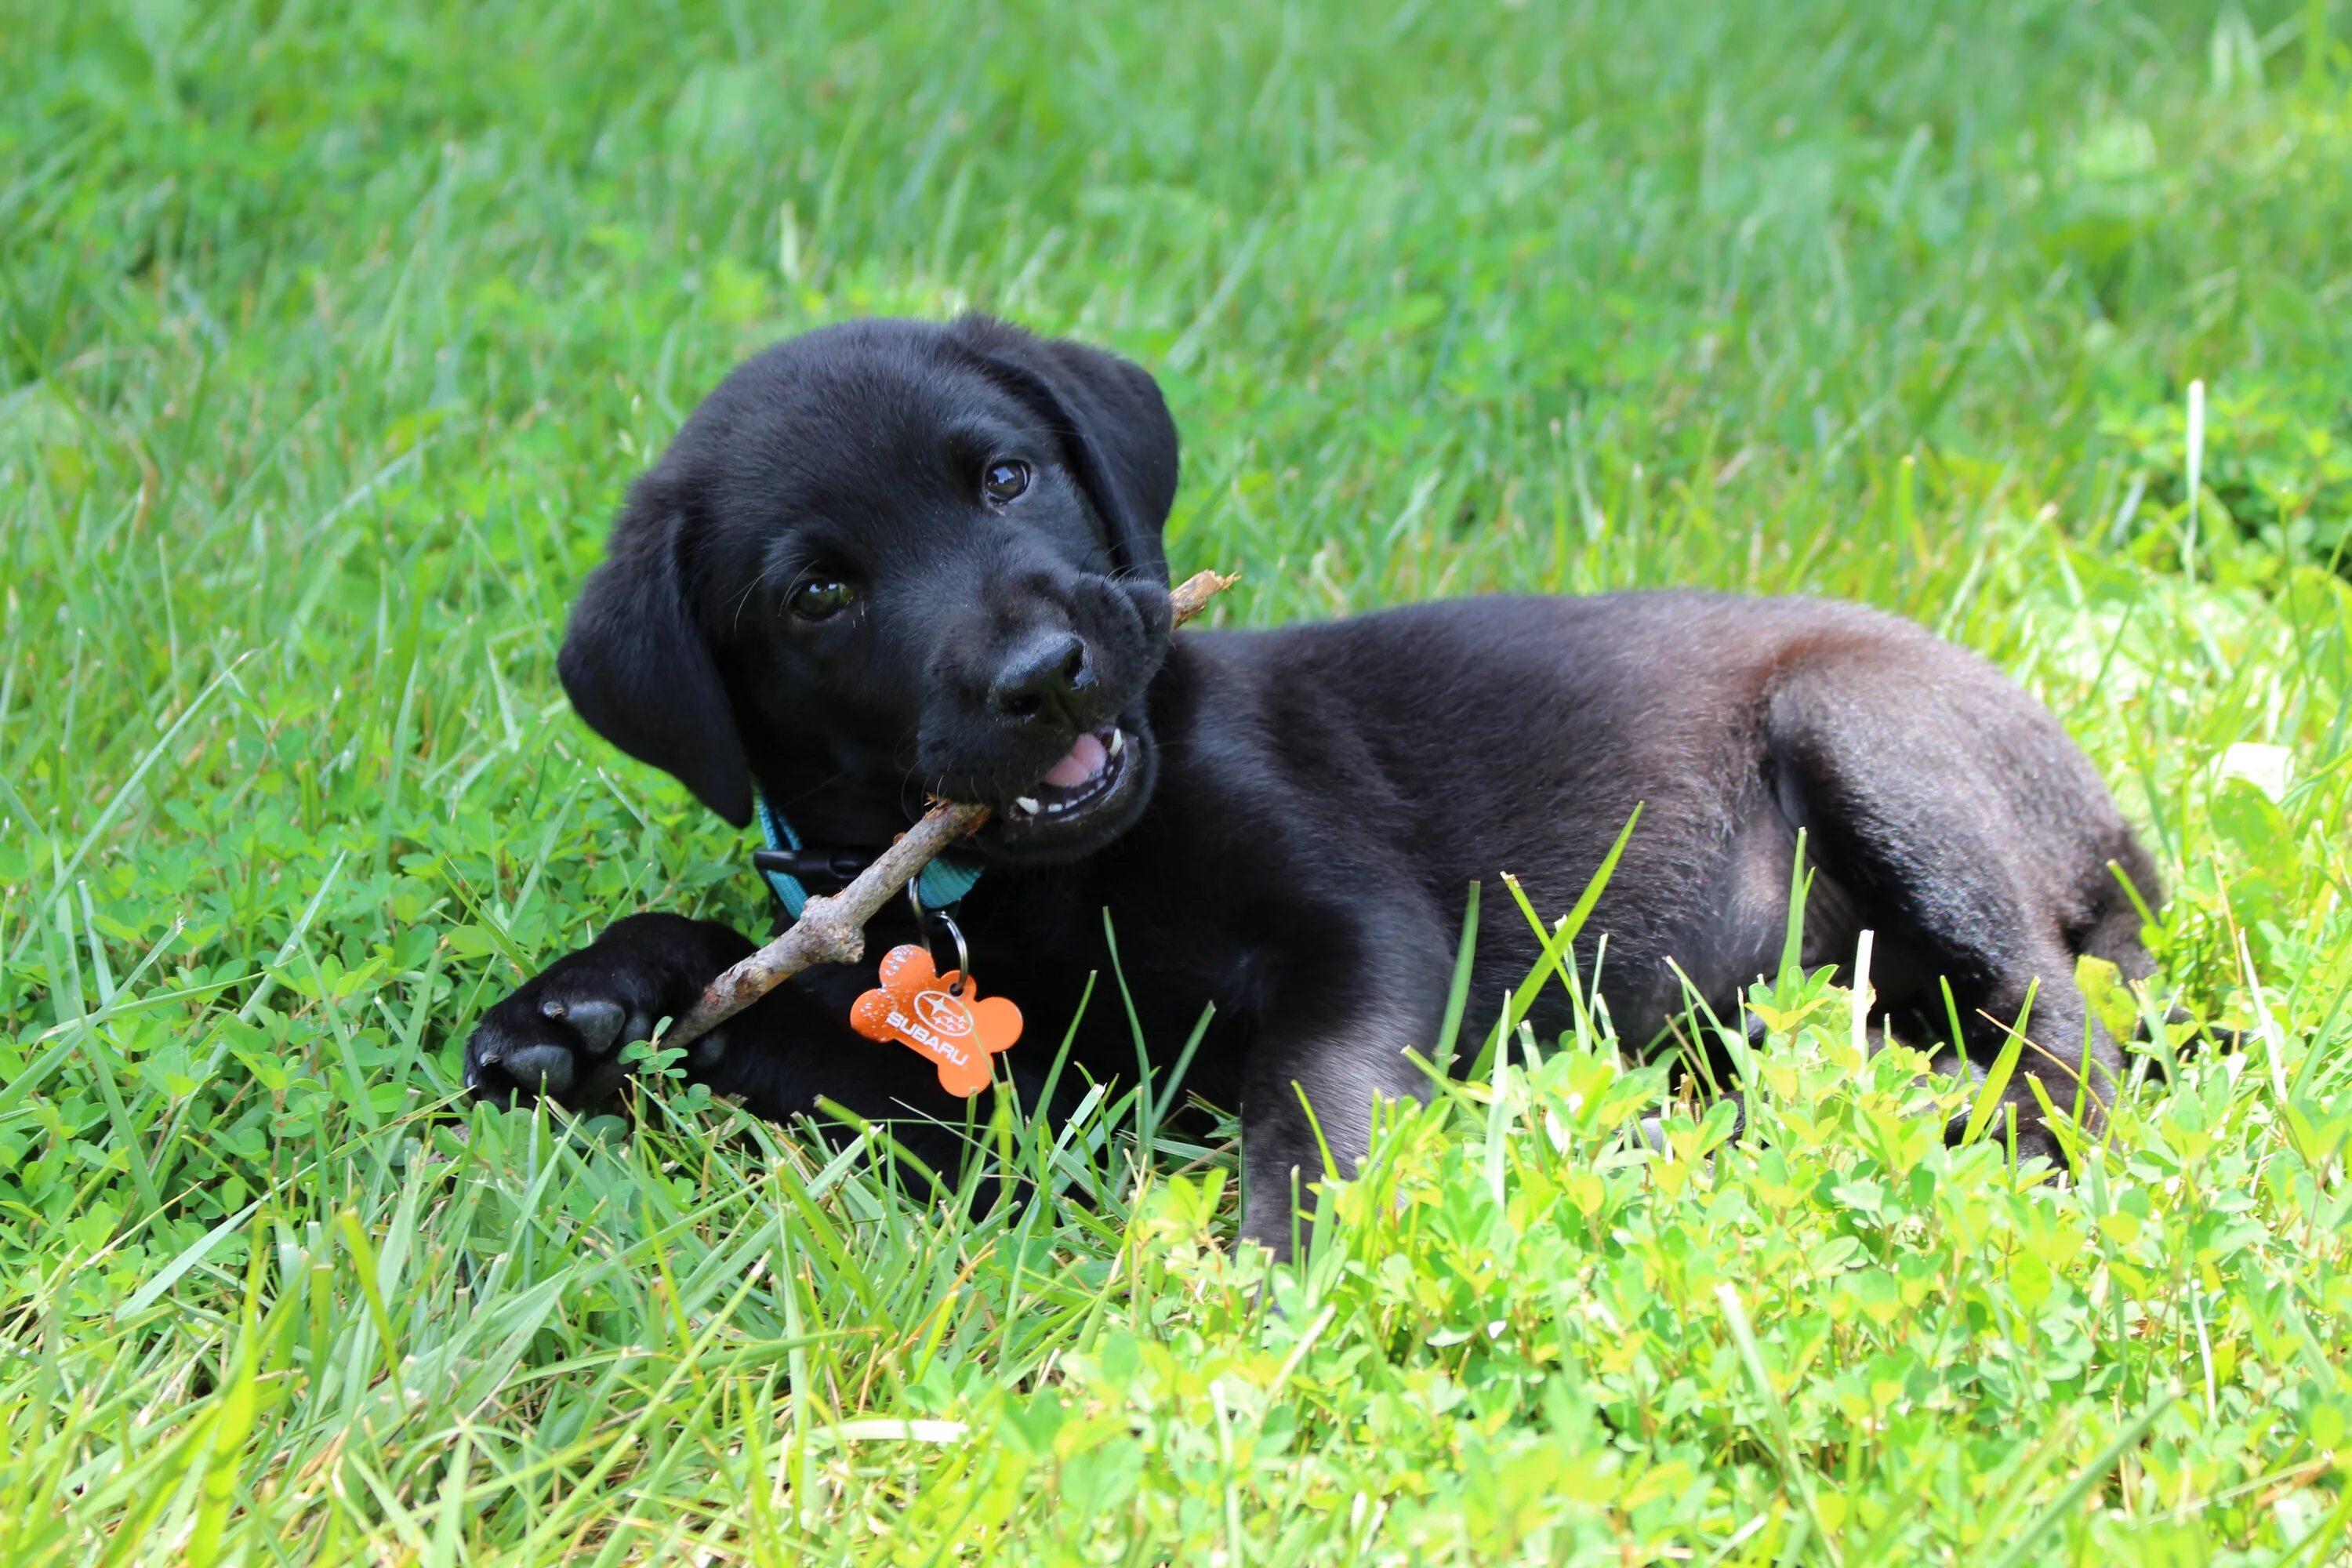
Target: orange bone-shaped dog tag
pixel 917 1006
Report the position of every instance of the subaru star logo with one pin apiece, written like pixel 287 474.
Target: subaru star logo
pixel 943 1014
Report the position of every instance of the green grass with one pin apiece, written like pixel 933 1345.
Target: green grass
pixel 331 341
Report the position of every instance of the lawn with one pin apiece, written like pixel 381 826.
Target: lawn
pixel 329 337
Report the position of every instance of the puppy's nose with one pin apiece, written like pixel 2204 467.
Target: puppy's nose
pixel 1044 680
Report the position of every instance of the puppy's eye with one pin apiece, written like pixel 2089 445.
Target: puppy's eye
pixel 1004 479
pixel 820 598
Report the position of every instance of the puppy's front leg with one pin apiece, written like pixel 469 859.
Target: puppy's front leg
pixel 1334 1050
pixel 561 1032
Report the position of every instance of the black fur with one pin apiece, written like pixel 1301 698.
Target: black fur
pixel 1294 832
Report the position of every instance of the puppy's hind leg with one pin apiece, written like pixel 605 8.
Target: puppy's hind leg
pixel 1972 836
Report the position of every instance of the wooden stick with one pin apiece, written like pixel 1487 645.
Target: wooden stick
pixel 831 930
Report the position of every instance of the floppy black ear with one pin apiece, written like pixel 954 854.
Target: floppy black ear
pixel 638 668
pixel 1117 435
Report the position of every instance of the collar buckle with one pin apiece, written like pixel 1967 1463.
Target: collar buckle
pixel 788 867
pixel 822 869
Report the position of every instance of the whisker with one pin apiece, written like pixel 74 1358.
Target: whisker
pixel 745 597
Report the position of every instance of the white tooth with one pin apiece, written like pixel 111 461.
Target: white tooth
pixel 1117 739
pixel 1025 806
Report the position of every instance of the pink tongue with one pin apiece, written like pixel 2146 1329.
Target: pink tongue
pixel 1086 760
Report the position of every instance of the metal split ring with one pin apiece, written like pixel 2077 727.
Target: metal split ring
pixel 924 918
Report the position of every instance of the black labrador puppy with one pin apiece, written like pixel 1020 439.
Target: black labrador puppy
pixel 892 560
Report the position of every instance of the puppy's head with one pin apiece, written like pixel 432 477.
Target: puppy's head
pixel 893 559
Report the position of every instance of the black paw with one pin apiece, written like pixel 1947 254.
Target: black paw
pixel 561 1032
pixel 560 1035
